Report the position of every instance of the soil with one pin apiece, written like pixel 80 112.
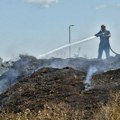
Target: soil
pixel 60 85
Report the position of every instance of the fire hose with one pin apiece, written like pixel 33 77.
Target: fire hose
pixel 113 50
pixel 110 46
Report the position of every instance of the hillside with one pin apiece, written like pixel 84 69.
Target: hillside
pixel 52 85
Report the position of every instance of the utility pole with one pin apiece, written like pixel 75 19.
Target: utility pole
pixel 70 39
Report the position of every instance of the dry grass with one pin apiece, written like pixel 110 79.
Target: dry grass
pixel 59 111
pixel 111 111
pixel 63 111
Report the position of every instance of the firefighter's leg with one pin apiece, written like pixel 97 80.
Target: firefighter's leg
pixel 100 52
pixel 107 52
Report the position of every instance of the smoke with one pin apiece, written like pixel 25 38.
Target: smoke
pixel 27 65
pixel 44 3
pixel 8 80
pixel 92 70
pixel 19 69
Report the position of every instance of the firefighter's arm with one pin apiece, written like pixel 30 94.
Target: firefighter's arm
pixel 98 34
pixel 108 34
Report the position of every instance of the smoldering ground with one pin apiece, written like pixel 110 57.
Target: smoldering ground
pixel 26 65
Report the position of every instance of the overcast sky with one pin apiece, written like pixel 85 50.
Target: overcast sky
pixel 36 26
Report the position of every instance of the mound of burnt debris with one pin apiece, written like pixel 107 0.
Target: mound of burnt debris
pixel 47 84
pixel 60 85
pixel 27 65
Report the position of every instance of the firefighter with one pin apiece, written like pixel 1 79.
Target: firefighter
pixel 104 42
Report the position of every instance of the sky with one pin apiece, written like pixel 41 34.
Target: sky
pixel 35 27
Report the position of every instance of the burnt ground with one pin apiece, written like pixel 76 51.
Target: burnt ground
pixel 60 85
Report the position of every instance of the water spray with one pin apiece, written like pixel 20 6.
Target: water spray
pixel 65 46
